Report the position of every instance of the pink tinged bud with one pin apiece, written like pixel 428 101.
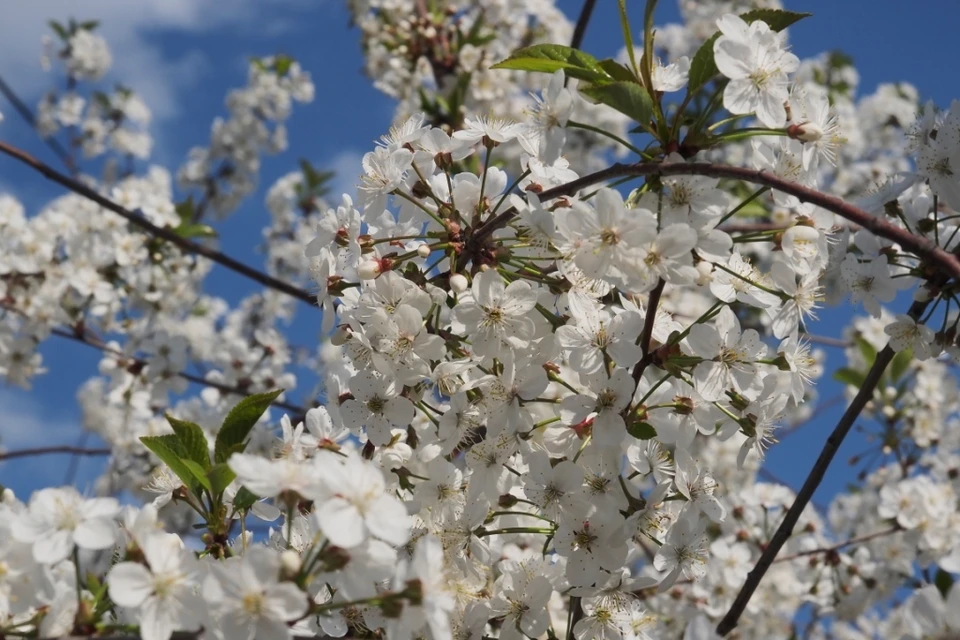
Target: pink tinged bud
pixel 368 270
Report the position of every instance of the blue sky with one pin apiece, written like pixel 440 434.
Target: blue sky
pixel 184 55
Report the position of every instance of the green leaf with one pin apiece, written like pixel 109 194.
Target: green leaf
pixel 195 230
pixel 849 376
pixel 547 58
pixel 943 581
pixel 220 477
pixel 193 441
pixel 617 71
pixel 168 449
pixel 185 210
pixel 900 364
pixel 282 64
pixel 90 25
pixel 199 473
pixel 238 423
pixel 867 350
pixel 59 30
pixel 244 499
pixel 626 97
pixel 641 431
pixel 703 66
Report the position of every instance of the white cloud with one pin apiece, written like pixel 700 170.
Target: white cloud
pixel 347 169
pixel 128 26
pixel 24 422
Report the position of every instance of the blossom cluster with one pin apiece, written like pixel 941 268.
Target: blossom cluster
pixel 547 400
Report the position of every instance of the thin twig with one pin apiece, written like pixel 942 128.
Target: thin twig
pixel 923 247
pixel 646 336
pixel 42 451
pixel 21 107
pixel 581 28
pixel 96 343
pixel 830 448
pixel 164 233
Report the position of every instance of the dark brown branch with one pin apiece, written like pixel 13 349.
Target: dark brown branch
pixel 164 233
pixel 925 248
pixel 581 28
pixel 830 448
pixel 42 451
pixel 646 336
pixel 25 113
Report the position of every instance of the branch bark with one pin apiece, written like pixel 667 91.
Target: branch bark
pixel 805 495
pixel 20 107
pixel 163 233
pixel 580 29
pixel 925 248
pixel 42 451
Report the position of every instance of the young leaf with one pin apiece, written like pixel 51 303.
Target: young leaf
pixel 617 71
pixel 703 67
pixel 641 430
pixel 59 30
pixel 849 376
pixel 943 581
pixel 195 230
pixel 244 499
pixel 900 364
pixel 547 58
pixel 626 97
pixel 220 477
pixel 168 449
pixel 192 441
pixel 238 423
pixel 199 473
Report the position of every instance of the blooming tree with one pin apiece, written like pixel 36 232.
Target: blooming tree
pixel 548 379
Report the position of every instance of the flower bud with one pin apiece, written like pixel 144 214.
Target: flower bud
pixel 423 251
pixel 368 270
pixel 291 562
pixel 805 132
pixel 340 337
pixel 458 283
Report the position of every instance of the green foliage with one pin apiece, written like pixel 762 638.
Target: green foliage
pixel 548 58
pixel 641 430
pixel 192 441
pixel 849 376
pixel 703 66
pixel 238 423
pixel 628 98
pixel 171 453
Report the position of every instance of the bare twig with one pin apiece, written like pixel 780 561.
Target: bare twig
pixel 830 448
pixel 96 343
pixel 25 113
pixel 581 28
pixel 164 233
pixel 42 451
pixel 646 337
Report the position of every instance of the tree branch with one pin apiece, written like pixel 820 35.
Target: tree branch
pixel 830 448
pixel 922 247
pixel 20 107
pixel 96 343
pixel 580 29
pixel 646 336
pixel 164 233
pixel 42 451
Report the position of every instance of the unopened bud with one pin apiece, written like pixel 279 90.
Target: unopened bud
pixel 805 132
pixel 423 251
pixel 340 337
pixel 458 283
pixel 368 270
pixel 290 562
